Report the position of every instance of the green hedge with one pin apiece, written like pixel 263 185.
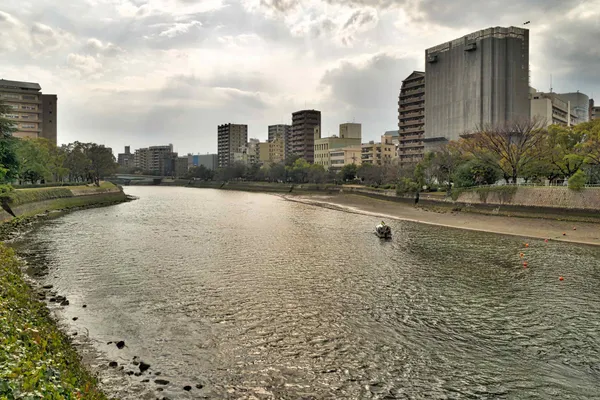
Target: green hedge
pixel 37 359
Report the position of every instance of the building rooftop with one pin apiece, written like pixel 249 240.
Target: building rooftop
pixel 498 32
pixel 392 133
pixel 19 85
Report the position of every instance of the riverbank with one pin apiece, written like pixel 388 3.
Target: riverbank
pixel 37 358
pixel 535 228
pixel 23 207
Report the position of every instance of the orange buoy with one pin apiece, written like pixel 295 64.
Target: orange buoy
pixel 522 255
pixel 546 240
pixel 574 228
pixel 564 233
pixel 526 244
pixel 525 264
pixel 560 278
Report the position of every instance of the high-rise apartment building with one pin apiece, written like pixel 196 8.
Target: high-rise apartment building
pixel 33 114
pixel 231 139
pixel 481 78
pixel 411 119
pixel 302 137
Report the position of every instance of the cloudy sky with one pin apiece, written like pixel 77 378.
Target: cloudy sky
pixel 148 72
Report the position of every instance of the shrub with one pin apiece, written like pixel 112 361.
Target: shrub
pixel 407 185
pixel 23 196
pixel 577 181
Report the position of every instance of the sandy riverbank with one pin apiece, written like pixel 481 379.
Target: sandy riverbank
pixel 587 233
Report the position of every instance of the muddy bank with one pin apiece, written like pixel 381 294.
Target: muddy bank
pixel 567 231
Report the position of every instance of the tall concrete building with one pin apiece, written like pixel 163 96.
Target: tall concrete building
pixel 411 119
pixel 579 104
pixel 302 137
pixel 481 78
pixel 33 114
pixel 231 139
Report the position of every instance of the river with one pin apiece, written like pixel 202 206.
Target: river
pixel 252 296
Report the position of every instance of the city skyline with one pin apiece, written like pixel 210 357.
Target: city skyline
pixel 139 74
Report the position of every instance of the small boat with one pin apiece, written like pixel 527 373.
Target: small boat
pixel 383 231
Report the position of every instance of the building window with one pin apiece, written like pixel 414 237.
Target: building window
pixel 28 126
pixel 29 97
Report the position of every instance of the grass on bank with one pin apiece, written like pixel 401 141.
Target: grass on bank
pixel 21 196
pixel 37 360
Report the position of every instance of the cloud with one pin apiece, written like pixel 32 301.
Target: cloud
pixel 45 38
pixel 179 29
pixel 85 66
pixel 97 47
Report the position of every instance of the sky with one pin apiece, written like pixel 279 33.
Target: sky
pixel 151 72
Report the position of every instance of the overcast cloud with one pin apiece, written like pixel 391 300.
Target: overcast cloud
pixel 149 72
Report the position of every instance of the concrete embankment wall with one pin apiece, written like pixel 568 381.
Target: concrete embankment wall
pixel 29 202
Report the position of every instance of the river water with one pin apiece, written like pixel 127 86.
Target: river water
pixel 253 296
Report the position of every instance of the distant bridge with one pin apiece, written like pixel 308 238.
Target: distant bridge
pixel 127 179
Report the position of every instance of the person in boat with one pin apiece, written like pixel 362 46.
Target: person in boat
pixel 382 223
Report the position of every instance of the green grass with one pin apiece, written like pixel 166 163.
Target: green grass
pixel 22 196
pixel 37 360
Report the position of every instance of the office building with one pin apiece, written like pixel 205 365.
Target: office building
pixel 126 159
pixel 479 79
pixel 350 134
pixel 156 160
pixel 343 156
pixel 32 113
pixel 181 167
pixel 283 131
pixel 595 112
pixel 272 152
pixel 551 108
pixel 209 161
pixel 580 104
pixel 231 138
pixel 302 137
pixel 379 154
pixel 411 119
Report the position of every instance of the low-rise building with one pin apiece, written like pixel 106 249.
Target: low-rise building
pixel 181 167
pixel 271 152
pixel 594 111
pixel 125 160
pixel 341 157
pixel 350 134
pixel 551 108
pixel 209 161
pixel 378 153
pixel 158 160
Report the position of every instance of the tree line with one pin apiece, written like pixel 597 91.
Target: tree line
pixel 526 150
pixel 36 160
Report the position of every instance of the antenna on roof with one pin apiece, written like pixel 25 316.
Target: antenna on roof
pixel 550 83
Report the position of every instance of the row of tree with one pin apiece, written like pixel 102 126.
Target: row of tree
pixel 39 160
pixel 523 149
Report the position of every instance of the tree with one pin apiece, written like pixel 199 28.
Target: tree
pixel 577 181
pixel 447 159
pixel 298 172
pixel 277 172
pixel 475 172
pixel 34 160
pixel 9 164
pixel 201 172
pixel 565 150
pixel 316 173
pixel 370 174
pixel 591 140
pixel 348 172
pixel 512 146
pixel 102 162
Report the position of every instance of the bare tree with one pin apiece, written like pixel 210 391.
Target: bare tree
pixel 513 145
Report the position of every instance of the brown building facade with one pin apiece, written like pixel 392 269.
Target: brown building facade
pixel 411 119
pixel 232 138
pixel 302 137
pixel 33 114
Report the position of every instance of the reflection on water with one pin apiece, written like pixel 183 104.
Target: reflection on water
pixel 252 296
